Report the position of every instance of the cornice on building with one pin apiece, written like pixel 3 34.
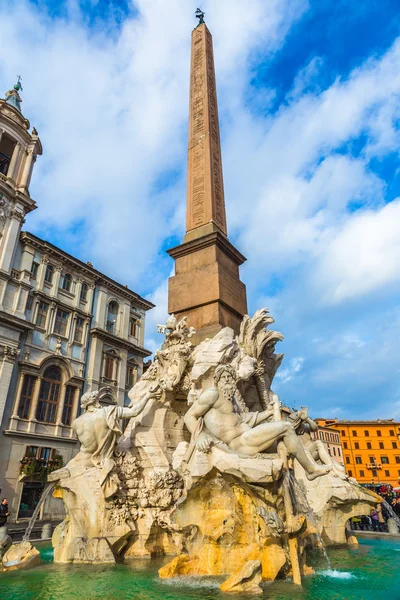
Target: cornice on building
pixel 106 336
pixel 91 273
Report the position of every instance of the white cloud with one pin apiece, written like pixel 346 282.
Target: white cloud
pixel 111 107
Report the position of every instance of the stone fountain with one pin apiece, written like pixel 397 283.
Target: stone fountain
pixel 207 471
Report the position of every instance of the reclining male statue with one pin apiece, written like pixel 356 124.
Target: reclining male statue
pixel 215 415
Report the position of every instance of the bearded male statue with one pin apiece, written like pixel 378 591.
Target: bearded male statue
pixel 216 416
pixel 97 429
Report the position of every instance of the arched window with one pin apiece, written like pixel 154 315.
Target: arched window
pixel 49 273
pixel 49 394
pixel 112 315
pixel 84 290
pixel 67 282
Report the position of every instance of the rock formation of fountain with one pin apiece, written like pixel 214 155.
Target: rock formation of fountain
pixel 202 472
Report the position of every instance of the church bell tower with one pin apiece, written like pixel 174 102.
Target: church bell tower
pixel 18 151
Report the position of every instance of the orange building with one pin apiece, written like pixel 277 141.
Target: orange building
pixel 371 449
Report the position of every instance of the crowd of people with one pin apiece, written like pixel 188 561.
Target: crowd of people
pixel 378 518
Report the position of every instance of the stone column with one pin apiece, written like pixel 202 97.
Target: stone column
pixel 41 273
pixel 34 404
pixel 12 169
pixel 26 169
pixel 11 239
pixel 60 408
pixel 78 288
pixel 74 410
pixel 7 361
pixel 56 280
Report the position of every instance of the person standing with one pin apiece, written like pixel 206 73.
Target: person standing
pixel 3 517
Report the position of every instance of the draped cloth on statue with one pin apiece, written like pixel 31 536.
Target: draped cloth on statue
pixel 103 455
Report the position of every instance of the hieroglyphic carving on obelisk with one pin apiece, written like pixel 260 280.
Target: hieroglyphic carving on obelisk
pixel 205 190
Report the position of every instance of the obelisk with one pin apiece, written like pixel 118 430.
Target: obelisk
pixel 206 285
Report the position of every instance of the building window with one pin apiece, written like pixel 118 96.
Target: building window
pixel 79 326
pixel 334 451
pixel 112 315
pixel 387 473
pixel 31 492
pixel 109 362
pixel 338 451
pixel 60 326
pixel 134 327
pixel 48 395
pixel 350 473
pixel 354 432
pixel 131 376
pixel 379 433
pixel 369 447
pixel 343 432
pixel 397 459
pixel 384 460
pixel 34 269
pixel 48 276
pixel 372 459
pixel 356 445
pixel 67 282
pixel 366 433
pixel 391 432
pixel 345 445
pixel 394 444
pixel 362 473
pixel 374 473
pixel 68 405
pixel 381 446
pixel 26 396
pixel 7 146
pixel 42 314
pixel 84 291
pixel 29 302
pixel 348 460
pixel 358 460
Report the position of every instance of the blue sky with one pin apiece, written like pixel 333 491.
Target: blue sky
pixel 309 96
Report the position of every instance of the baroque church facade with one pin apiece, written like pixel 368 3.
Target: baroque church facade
pixel 65 328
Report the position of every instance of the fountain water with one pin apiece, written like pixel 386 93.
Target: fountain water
pixel 302 505
pixel 391 512
pixel 47 490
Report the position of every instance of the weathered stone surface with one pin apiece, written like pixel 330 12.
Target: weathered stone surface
pixel 21 556
pixel 334 501
pixel 5 544
pixel 245 579
pixel 181 565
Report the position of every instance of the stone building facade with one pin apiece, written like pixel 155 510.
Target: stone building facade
pixel 65 328
pixel 371 449
pixel 331 441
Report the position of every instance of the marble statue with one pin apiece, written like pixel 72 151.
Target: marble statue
pixel 202 470
pixel 97 430
pixel 216 416
pixel 304 425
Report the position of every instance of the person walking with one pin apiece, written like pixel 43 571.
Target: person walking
pixel 375 519
pixel 381 520
pixel 4 514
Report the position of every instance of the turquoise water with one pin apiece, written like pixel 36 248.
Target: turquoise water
pixel 370 573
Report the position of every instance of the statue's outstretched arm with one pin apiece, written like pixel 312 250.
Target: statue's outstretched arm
pixel 133 411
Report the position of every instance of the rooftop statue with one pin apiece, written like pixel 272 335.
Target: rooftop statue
pixel 216 417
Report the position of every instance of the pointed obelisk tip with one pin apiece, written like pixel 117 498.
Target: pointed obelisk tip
pixel 200 16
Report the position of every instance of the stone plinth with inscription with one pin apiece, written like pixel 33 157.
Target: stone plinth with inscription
pixel 206 287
